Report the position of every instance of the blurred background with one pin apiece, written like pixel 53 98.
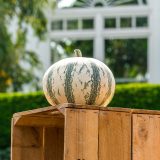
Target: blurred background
pixel 121 33
pixel 124 34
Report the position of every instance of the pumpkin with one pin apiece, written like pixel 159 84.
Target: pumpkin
pixel 79 80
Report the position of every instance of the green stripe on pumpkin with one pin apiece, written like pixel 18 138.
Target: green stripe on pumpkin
pixel 95 86
pixel 50 83
pixel 68 83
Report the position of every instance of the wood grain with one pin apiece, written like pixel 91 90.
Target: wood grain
pixel 114 135
pixel 78 132
pixel 146 137
pixel 81 134
pixel 26 143
pixel 145 111
pixel 53 143
pixel 61 108
pixel 39 120
pixel 44 110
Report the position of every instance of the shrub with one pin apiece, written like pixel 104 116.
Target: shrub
pixel 145 96
pixel 140 96
pixel 5 154
pixel 16 102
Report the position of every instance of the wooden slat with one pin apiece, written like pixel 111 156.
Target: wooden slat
pixel 27 143
pixel 116 109
pixel 36 111
pixel 70 138
pixel 27 137
pixel 31 153
pixel 54 121
pixel 90 134
pixel 53 143
pixel 145 111
pixel 62 107
pixel 146 137
pixel 81 134
pixel 92 107
pixel 114 135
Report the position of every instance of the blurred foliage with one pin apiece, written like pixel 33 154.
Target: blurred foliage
pixel 16 63
pixel 137 95
pixel 86 47
pixel 16 102
pixel 127 58
pixel 5 153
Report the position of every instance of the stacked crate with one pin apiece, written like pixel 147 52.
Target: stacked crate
pixel 75 132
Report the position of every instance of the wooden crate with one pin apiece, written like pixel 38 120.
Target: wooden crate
pixel 74 132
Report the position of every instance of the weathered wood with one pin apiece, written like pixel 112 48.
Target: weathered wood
pixel 146 137
pixel 114 135
pixel 27 143
pixel 39 120
pixel 78 132
pixel 81 134
pixel 145 111
pixel 37 111
pixel 53 143
pixel 61 107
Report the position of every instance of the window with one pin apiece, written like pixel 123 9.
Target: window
pixel 57 25
pixel 125 22
pixel 72 24
pixel 87 24
pixel 141 21
pixel 127 58
pixel 110 23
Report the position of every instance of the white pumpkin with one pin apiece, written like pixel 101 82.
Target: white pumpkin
pixel 79 80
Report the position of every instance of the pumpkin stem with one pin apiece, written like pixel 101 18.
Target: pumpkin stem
pixel 78 53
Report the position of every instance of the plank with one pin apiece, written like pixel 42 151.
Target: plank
pixel 61 107
pixel 53 143
pixel 39 120
pixel 146 137
pixel 26 143
pixel 90 107
pixel 81 134
pixel 114 135
pixel 116 109
pixel 36 111
pixel 31 153
pixel 145 111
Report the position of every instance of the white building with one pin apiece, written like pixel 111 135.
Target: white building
pixel 62 17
